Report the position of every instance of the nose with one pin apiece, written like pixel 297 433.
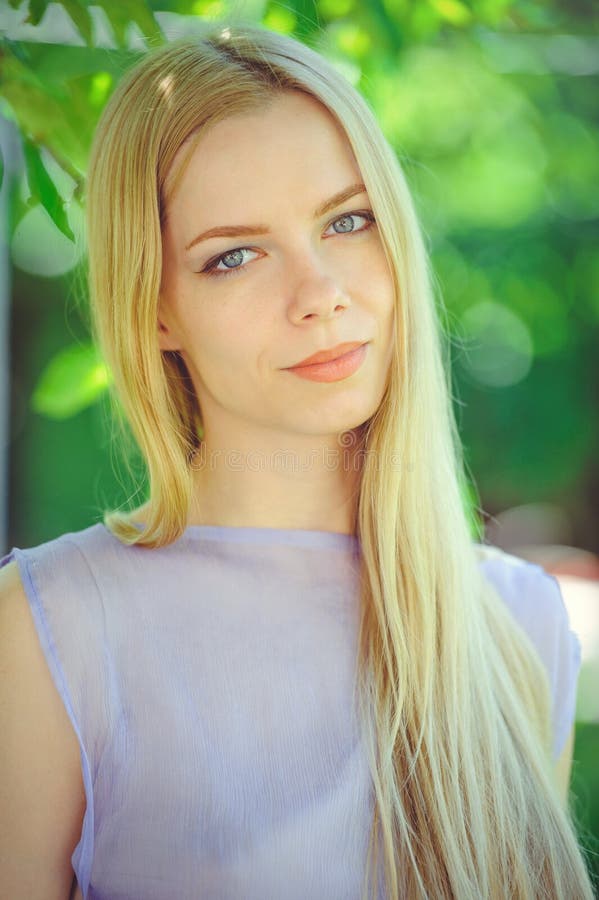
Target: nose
pixel 317 295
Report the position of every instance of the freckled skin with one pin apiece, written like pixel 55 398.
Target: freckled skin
pixel 309 284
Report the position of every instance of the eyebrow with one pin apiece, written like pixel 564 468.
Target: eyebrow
pixel 253 230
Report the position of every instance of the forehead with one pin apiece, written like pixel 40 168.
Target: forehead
pixel 293 143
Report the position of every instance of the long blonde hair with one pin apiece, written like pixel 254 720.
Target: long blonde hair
pixel 454 700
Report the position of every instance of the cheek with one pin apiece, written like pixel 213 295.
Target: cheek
pixel 374 269
pixel 382 268
pixel 222 346
pixel 377 285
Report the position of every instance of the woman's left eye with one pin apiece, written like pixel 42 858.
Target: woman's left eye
pixel 365 214
pixel 236 254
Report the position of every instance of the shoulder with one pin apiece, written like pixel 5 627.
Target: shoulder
pixel 24 570
pixel 51 587
pixel 64 559
pixel 535 600
pixel 16 627
pixel 532 594
pixel 19 638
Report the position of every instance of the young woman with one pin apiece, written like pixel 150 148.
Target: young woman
pixel 290 673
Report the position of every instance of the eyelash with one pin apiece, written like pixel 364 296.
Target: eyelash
pixel 211 270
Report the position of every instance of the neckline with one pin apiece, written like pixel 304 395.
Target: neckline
pixel 300 537
pixel 292 536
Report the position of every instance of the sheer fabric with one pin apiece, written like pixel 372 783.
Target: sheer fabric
pixel 210 687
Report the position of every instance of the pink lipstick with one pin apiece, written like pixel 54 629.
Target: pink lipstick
pixel 333 369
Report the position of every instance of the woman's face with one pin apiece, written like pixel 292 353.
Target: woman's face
pixel 243 308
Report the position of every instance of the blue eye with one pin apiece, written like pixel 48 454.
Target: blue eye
pixel 236 253
pixel 346 218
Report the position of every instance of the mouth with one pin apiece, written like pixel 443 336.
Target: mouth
pixel 336 369
pixel 325 356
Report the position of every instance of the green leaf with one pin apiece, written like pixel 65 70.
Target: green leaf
pixel 18 68
pixel 73 379
pixel 281 19
pixel 56 63
pixel 1 168
pixel 57 117
pixel 453 11
pixel 43 188
pixel 80 16
pixel 6 110
pixel 121 14
pixel 17 48
pixel 37 8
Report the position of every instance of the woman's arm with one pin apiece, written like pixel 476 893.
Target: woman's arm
pixel 76 891
pixel 42 800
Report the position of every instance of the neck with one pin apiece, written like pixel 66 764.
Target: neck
pixel 316 489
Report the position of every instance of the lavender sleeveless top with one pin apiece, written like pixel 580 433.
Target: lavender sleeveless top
pixel 210 684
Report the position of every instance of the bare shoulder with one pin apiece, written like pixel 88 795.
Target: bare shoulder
pixel 42 799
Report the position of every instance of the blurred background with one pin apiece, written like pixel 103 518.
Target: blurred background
pixel 493 110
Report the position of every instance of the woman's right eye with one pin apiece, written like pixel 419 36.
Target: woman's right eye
pixel 235 255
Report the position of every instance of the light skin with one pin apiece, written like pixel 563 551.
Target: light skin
pixel 279 451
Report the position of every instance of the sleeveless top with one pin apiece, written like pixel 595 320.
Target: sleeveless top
pixel 209 684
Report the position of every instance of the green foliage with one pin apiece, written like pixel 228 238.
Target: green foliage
pixel 80 15
pixel 584 791
pixel 73 379
pixel 43 189
pixel 125 12
pixel 471 501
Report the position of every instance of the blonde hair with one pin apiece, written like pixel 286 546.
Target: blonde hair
pixel 454 700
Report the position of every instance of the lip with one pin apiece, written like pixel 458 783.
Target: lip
pixel 335 369
pixel 327 355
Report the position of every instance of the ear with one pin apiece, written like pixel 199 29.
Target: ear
pixel 166 337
